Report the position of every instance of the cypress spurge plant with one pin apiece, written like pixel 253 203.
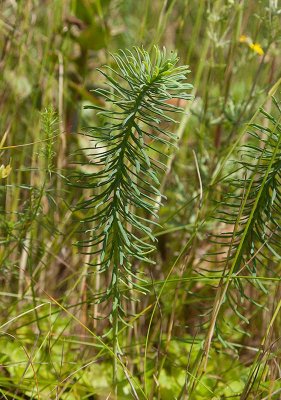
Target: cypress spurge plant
pixel 252 211
pixel 128 151
pixel 248 251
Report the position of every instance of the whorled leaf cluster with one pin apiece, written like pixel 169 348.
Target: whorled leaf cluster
pixel 252 210
pixel 127 151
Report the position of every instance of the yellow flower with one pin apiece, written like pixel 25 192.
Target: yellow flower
pixel 5 171
pixel 256 47
pixel 244 39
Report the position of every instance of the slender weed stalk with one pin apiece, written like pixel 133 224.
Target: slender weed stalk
pixel 129 150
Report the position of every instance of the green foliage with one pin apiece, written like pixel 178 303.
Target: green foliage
pixel 253 206
pixel 49 122
pixel 199 330
pixel 125 188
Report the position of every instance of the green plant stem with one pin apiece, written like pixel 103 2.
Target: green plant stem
pixel 116 233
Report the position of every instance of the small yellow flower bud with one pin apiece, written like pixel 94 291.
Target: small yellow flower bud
pixel 5 171
pixel 244 39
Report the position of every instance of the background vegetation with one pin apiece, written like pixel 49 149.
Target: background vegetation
pixel 209 326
